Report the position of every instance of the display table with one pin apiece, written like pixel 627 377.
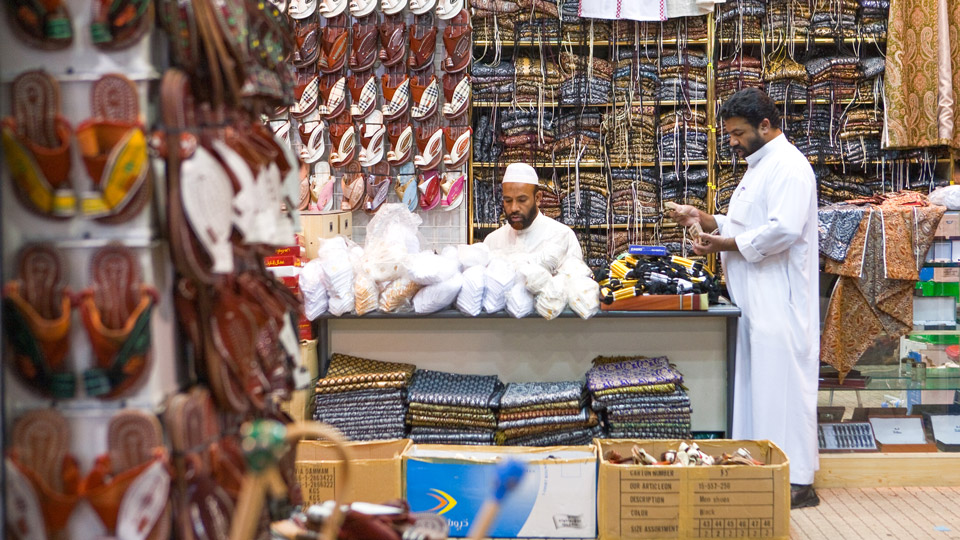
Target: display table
pixel 702 344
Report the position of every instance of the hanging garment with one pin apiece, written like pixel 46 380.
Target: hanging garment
pixel 922 82
pixel 541 233
pixel 774 280
pixel 636 10
pixel 690 8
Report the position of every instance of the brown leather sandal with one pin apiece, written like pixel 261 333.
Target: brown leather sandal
pixel 423 42
pixel 307 36
pixel 393 39
pixel 366 43
pixel 457 40
pixel 334 41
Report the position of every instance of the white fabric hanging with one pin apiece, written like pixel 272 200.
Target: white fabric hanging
pixel 636 10
pixel 690 8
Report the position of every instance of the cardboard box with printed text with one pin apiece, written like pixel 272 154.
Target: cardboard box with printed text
pixel 374 471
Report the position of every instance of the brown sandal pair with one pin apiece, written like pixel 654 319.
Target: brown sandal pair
pixel 47 25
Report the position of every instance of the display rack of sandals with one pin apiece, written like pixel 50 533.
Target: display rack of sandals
pixel 823 61
pixel 388 86
pixel 614 114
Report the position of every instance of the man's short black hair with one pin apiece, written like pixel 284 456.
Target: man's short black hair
pixel 753 105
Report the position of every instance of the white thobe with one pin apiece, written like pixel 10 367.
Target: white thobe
pixel 543 230
pixel 645 10
pixel 690 8
pixel 774 279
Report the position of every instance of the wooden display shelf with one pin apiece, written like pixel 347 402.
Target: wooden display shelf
pixel 660 302
pixel 528 104
pixel 593 164
pixel 604 226
pixel 585 43
pixel 802 40
pixel 888 469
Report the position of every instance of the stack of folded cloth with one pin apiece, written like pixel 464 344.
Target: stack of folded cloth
pixel 738 72
pixel 794 124
pixel 787 79
pixel 873 18
pixel 594 246
pixel 537 79
pixel 578 135
pixel 870 88
pixel 630 134
pixel 683 76
pixel 453 408
pixel 688 187
pixel 582 30
pixel 488 198
pixel 742 19
pixel 683 135
pixel 839 20
pixel 363 398
pixel 640 398
pixel 492 82
pixel 635 196
pixel 834 77
pixel 636 75
pixel 569 11
pixel 727 181
pixel 818 128
pixel 494 20
pixel 486 146
pixel 592 209
pixel 545 414
pixel 833 187
pixel 690 28
pixel 788 18
pixel 587 80
pixel 526 134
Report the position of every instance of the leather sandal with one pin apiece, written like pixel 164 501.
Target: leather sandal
pixel 306 94
pixel 114 150
pixel 452 189
pixel 366 42
pixel 304 199
pixel 333 92
pixel 456 91
pixel 36 319
pixel 301 9
pixel 120 24
pixel 406 187
pixel 42 25
pixel 363 93
pixel 392 7
pixel 42 478
pixel 371 140
pixel 307 39
pixel 352 188
pixel 312 132
pixel 129 486
pixel 247 169
pixel 458 145
pixel 344 142
pixel 362 8
pixel 448 9
pixel 36 141
pixel 396 98
pixel 332 8
pixel 423 42
pixel 430 147
pixel 401 143
pixel 425 94
pixel 378 185
pixel 334 40
pixel 116 313
pixel 429 187
pixel 321 187
pixel 419 7
pixel 457 40
pixel 393 41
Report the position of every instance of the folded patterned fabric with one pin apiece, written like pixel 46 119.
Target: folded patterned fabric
pixel 633 373
pixel 429 421
pixel 455 438
pixel 576 437
pixel 532 393
pixel 427 408
pixel 362 396
pixel 505 435
pixel 584 415
pixel 643 389
pixel 343 365
pixel 429 430
pixel 487 416
pixel 441 388
pixel 382 385
pixel 506 416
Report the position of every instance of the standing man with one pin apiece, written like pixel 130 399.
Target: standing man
pixel 768 244
pixel 528 230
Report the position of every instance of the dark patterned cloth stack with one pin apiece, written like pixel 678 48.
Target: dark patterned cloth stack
pixel 683 135
pixel 873 18
pixel 788 18
pixel 630 134
pixel 636 76
pixel 590 210
pixel 839 20
pixel 834 77
pixel 639 398
pixel 683 76
pixel 363 398
pixel 739 72
pixel 453 408
pixel 742 19
pixel 546 414
pixel 493 81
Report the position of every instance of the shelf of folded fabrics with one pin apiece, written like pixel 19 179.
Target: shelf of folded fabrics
pixel 816 101
pixel 604 226
pixel 592 164
pixel 596 43
pixel 804 40
pixel 891 378
pixel 834 162
pixel 528 104
pixel 719 310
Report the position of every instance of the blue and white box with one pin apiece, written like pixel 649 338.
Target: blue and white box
pixel 557 497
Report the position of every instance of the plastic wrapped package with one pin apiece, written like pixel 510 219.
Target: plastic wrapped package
pixel 439 296
pixel 392 235
pixel 398 296
pixel 948 196
pixel 471 255
pixel 337 306
pixel 575 268
pixel 314 292
pixel 337 262
pixel 383 261
pixel 366 293
pixel 583 293
pixel 450 252
pixel 428 268
pixel 520 302
pixel 550 256
pixel 535 276
pixel 470 299
pixel 553 298
pixel 500 276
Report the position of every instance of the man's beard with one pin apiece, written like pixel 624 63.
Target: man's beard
pixel 750 145
pixel 525 220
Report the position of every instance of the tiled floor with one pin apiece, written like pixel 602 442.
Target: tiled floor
pixel 900 513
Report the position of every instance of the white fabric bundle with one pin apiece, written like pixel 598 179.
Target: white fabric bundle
pixel 500 276
pixel 584 296
pixel 550 256
pixel 315 299
pixel 428 268
pixel 366 293
pixel 520 303
pixel 336 259
pixel 553 298
pixel 398 296
pixel 948 196
pixel 470 299
pixel 435 297
pixel 535 276
pixel 471 255
pixel 575 268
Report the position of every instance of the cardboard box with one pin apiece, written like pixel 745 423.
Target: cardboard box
pixel 946 274
pixel 305 329
pixel 282 260
pixel 638 501
pixel 374 471
pixel 557 497
pixel 300 404
pixel 296 251
pixel 346 224
pixel 949 226
pixel 324 225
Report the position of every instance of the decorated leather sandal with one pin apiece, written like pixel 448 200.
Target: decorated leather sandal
pixel 378 185
pixel 362 8
pixel 321 187
pixel 456 91
pixel 448 9
pixel 423 42
pixel 363 93
pixel 42 25
pixel 406 187
pixel 392 7
pixel 419 7
pixel 116 312
pixel 306 94
pixel 304 200
pixel 429 187
pixel 343 139
pixel 334 40
pixel 332 8
pixel 312 132
pixel 430 147
pixel 333 93
pixel 458 144
pixel 401 143
pixel 371 140
pixel 129 486
pixel 42 479
pixel 425 93
pixel 114 150
pixel 352 188
pixel 36 142
pixel 120 24
pixel 307 39
pixel 396 98
pixel 393 40
pixel 36 320
pixel 366 42
pixel 301 9
pixel 457 38
pixel 452 189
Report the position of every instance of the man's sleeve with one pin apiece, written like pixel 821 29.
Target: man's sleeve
pixel 788 210
pixel 573 245
pixel 721 223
